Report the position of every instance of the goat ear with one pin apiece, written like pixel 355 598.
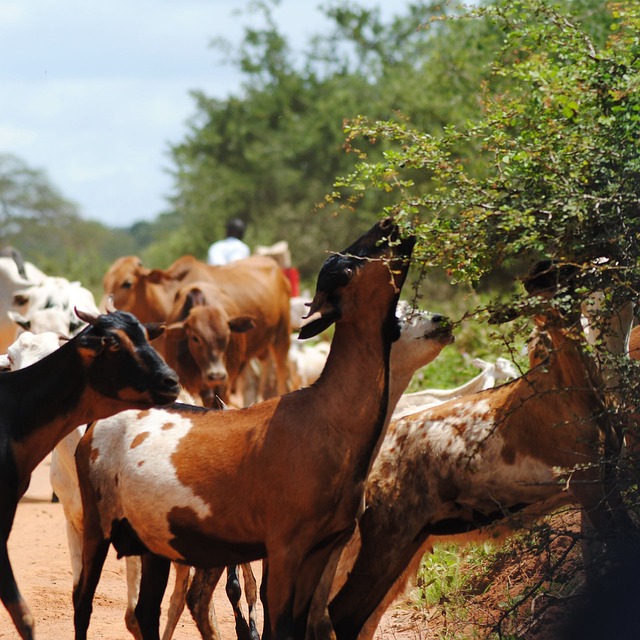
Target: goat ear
pixel 328 311
pixel 242 324
pixel 154 329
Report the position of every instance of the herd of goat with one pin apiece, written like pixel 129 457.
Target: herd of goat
pixel 196 452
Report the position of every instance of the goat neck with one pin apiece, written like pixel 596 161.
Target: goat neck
pixel 567 357
pixel 363 309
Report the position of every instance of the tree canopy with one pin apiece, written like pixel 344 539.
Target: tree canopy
pixel 557 137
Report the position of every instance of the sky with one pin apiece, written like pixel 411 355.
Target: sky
pixel 94 93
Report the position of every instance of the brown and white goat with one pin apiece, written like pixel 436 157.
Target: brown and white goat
pixel 423 335
pixel 469 461
pixel 299 467
pixel 107 368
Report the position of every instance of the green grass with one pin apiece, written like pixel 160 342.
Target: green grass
pixel 450 574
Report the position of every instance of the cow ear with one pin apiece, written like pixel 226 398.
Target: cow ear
pixel 175 331
pixel 19 319
pixel 157 276
pixel 154 329
pixel 242 324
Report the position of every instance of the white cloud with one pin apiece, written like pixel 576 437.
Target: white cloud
pixel 93 93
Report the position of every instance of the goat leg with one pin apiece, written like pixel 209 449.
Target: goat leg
pixel 266 620
pixel 11 598
pixel 234 593
pixel 94 553
pixel 178 599
pixel 199 601
pixel 155 573
pixel 251 594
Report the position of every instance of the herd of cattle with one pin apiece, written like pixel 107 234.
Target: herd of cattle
pixel 282 448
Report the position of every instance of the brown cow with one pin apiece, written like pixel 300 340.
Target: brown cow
pixel 149 293
pixel 256 284
pixel 206 341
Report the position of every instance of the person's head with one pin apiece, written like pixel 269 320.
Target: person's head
pixel 235 228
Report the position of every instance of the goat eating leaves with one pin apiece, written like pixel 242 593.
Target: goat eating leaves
pixel 299 461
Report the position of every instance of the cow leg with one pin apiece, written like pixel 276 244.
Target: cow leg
pixel 279 357
pixel 9 593
pixel 155 573
pixel 199 601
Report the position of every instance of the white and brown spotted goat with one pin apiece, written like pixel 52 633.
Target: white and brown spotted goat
pixel 108 367
pixel 469 461
pixel 298 466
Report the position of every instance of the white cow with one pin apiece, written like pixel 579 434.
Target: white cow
pixel 492 374
pixel 11 280
pixel 43 320
pixel 306 361
pixel 52 293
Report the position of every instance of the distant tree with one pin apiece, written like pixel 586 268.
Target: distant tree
pixel 48 230
pixel 270 156
pixel 27 196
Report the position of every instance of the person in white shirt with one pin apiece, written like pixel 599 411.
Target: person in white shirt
pixel 232 247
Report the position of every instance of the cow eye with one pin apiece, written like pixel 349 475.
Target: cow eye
pixel 127 284
pixel 195 339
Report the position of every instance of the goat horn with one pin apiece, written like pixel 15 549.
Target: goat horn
pixel 110 307
pixel 87 317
